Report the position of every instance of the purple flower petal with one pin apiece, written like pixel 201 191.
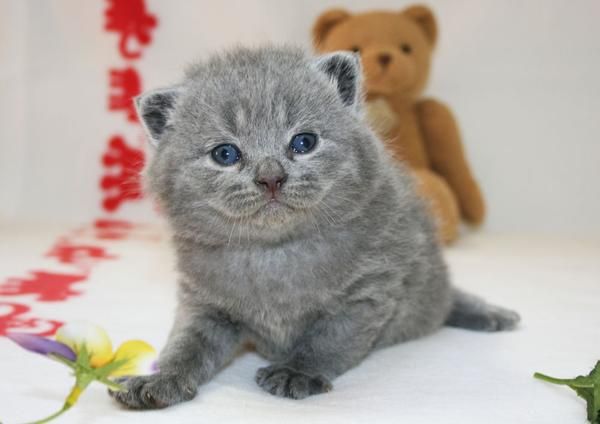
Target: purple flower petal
pixel 42 345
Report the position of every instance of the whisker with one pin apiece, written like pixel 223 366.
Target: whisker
pixel 316 222
pixel 235 222
pixel 331 211
pixel 324 213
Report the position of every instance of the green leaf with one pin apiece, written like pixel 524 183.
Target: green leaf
pixel 109 368
pixel 587 387
pixel 83 356
pixel 588 396
pixel 111 384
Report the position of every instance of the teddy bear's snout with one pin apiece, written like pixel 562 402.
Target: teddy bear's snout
pixel 387 70
pixel 384 59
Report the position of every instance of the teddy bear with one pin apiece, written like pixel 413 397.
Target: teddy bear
pixel 395 50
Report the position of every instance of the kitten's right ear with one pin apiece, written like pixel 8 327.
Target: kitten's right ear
pixel 155 110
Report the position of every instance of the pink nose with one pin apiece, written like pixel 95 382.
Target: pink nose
pixel 272 184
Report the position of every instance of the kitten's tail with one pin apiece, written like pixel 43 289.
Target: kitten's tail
pixel 473 313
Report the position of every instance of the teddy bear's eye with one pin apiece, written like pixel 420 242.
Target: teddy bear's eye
pixel 406 48
pixel 355 49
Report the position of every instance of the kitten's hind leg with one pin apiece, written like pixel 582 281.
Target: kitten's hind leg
pixel 473 313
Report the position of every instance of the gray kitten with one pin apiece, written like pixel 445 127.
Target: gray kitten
pixel 295 230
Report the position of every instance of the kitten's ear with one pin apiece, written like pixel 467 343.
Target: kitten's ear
pixel 344 72
pixel 155 110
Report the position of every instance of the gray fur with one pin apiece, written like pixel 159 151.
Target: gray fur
pixel 350 265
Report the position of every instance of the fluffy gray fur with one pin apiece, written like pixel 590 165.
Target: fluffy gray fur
pixel 344 263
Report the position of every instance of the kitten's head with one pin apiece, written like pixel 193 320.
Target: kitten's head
pixel 260 145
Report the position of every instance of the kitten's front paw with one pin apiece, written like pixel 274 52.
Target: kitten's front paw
pixel 153 391
pixel 287 382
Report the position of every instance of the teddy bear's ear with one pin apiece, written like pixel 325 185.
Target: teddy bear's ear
pixel 423 16
pixel 344 72
pixel 155 110
pixel 325 23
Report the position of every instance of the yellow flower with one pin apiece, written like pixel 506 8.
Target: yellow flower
pixel 87 350
pixel 138 357
pixel 96 341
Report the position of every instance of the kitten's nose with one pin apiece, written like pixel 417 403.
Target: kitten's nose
pixel 270 175
pixel 271 184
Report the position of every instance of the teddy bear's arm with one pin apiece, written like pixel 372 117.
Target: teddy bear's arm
pixel 445 151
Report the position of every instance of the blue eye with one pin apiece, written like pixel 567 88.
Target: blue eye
pixel 303 142
pixel 226 154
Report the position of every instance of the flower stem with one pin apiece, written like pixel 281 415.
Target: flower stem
pixel 549 379
pixel 81 383
pixel 64 409
pixel 573 382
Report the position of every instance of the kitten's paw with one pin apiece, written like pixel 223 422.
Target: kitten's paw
pixel 153 391
pixel 501 319
pixel 287 382
pixel 473 313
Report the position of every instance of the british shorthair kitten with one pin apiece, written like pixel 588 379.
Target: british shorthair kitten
pixel 294 229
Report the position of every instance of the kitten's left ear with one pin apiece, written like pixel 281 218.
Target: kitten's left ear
pixel 344 72
pixel 155 109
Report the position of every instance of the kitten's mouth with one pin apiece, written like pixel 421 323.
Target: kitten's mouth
pixel 268 208
pixel 273 210
pixel 274 204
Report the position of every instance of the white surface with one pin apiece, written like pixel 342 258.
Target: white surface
pixel 454 376
pixel 522 78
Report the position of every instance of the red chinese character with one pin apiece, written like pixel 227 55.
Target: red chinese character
pixel 78 254
pixel 124 184
pixel 130 19
pixel 112 229
pixel 11 320
pixel 112 224
pixel 48 286
pixel 106 229
pixel 125 85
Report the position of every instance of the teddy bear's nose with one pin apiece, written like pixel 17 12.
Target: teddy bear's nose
pixel 384 59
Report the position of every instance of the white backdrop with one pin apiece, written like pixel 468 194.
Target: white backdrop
pixel 522 78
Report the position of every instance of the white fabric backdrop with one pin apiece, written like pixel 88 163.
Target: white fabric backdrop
pixel 452 377
pixel 522 78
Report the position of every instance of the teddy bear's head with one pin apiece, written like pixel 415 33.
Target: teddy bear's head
pixel 395 47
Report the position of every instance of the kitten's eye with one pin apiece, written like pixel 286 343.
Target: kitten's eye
pixel 406 48
pixel 303 142
pixel 226 154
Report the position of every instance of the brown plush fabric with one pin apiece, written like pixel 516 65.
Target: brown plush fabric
pixel 441 201
pixel 395 49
